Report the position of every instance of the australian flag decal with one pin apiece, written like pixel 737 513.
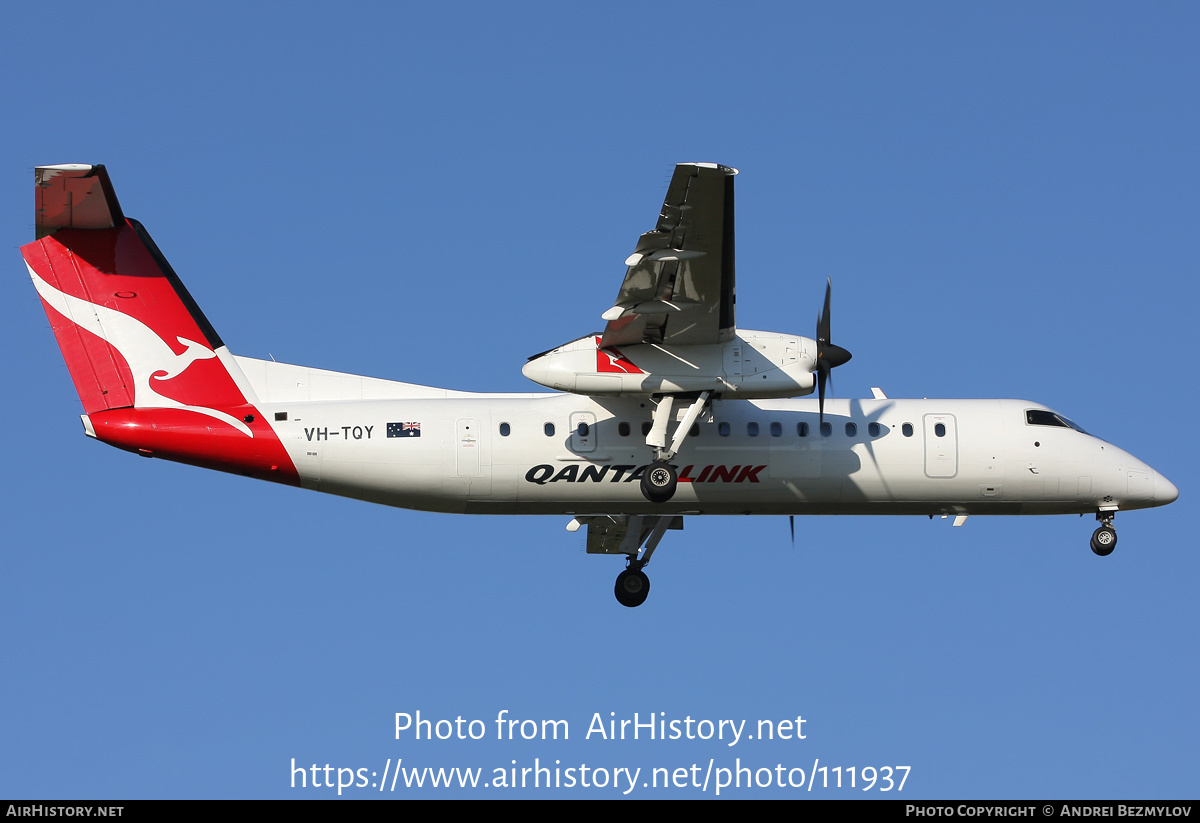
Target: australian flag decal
pixel 403 429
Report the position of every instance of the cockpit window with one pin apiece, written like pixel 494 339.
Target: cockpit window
pixel 1074 425
pixel 1043 417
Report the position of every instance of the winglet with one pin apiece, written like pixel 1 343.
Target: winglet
pixel 75 195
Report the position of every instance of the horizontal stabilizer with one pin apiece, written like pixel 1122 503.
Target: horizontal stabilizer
pixel 75 195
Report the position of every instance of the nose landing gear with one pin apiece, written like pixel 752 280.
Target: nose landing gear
pixel 1104 539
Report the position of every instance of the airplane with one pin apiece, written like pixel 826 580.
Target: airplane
pixel 671 410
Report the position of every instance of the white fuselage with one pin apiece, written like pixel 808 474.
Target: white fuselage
pixel 671 410
pixel 877 457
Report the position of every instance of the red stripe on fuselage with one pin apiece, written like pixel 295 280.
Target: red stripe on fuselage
pixel 188 437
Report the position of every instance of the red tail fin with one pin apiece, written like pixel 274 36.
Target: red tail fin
pixel 134 339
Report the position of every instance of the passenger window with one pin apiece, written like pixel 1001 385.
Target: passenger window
pixel 907 429
pixel 826 429
pixel 776 429
pixel 940 429
pixel 505 430
pixel 549 429
pixel 802 429
pixel 645 429
pixel 694 431
pixel 723 429
pixel 583 429
pixel 623 429
pixel 851 429
pixel 873 429
pixel 752 429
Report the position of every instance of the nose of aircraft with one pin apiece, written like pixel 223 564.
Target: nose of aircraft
pixel 1164 490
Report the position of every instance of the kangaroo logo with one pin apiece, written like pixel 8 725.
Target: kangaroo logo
pixel 148 355
pixel 611 360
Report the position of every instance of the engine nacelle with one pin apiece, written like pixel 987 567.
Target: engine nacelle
pixel 752 365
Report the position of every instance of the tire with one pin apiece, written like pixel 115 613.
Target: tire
pixel 632 589
pixel 1104 540
pixel 659 482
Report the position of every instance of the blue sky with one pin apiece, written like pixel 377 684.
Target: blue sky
pixel 1004 195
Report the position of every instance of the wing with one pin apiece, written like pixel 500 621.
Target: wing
pixel 680 285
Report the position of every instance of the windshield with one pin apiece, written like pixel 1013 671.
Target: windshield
pixel 1045 417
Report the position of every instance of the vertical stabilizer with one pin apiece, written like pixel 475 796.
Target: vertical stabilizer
pixel 151 371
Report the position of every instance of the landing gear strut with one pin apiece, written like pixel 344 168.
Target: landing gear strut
pixel 1104 539
pixel 660 479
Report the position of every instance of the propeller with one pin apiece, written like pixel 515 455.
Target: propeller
pixel 829 356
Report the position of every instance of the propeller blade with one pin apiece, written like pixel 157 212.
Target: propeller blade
pixel 822 376
pixel 829 356
pixel 823 319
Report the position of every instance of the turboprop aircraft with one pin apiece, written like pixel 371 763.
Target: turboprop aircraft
pixel 671 410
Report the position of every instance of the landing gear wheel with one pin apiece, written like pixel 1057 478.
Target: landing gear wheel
pixel 632 587
pixel 1104 540
pixel 659 482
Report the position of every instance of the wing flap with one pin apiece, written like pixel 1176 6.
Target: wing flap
pixel 612 534
pixel 679 286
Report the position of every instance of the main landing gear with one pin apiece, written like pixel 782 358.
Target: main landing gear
pixel 659 482
pixel 633 586
pixel 642 536
pixel 660 479
pixel 1104 539
pixel 634 535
